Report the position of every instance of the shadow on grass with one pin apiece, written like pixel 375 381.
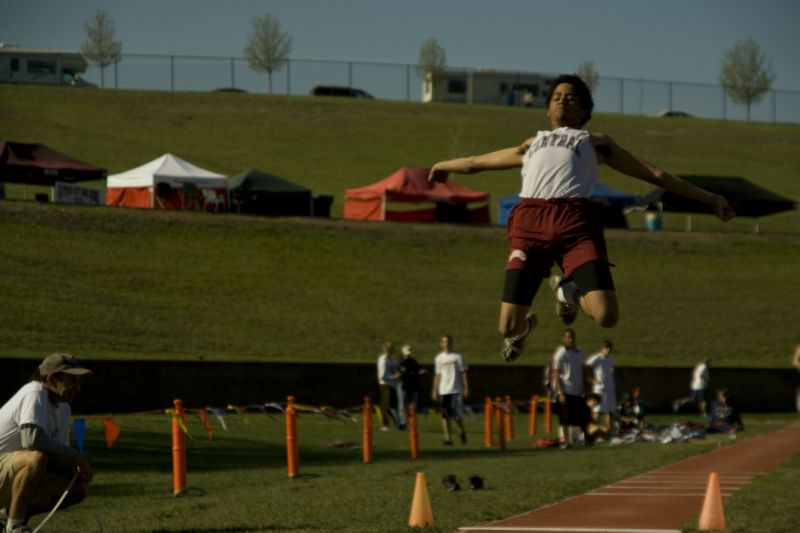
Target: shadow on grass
pixel 142 451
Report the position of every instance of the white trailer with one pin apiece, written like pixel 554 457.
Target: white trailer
pixel 486 87
pixel 48 67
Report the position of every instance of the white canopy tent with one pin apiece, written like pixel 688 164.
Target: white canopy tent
pixel 168 180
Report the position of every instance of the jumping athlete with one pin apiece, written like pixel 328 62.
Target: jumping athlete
pixel 556 222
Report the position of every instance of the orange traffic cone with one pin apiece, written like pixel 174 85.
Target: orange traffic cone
pixel 712 517
pixel 421 513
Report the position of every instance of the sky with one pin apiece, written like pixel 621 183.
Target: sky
pixel 676 40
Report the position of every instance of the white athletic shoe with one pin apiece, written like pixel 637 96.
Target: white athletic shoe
pixel 512 346
pixel 567 312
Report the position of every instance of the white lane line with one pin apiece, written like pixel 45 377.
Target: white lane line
pixel 570 529
pixel 659 495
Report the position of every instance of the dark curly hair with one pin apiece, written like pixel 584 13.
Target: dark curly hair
pixel 584 94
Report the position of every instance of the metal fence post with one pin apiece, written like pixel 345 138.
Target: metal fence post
pixel 233 73
pixel 288 77
pixel 172 73
pixel 408 83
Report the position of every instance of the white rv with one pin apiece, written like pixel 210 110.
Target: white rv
pixel 49 67
pixel 486 87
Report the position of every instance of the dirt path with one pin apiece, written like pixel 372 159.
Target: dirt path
pixel 659 501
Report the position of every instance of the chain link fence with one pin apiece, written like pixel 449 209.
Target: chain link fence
pixel 396 81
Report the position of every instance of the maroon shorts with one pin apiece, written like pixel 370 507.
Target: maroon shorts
pixel 565 231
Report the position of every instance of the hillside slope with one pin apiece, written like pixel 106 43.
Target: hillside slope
pixel 330 144
pixel 116 283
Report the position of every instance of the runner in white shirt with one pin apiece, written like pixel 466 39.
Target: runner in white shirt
pixel 603 383
pixel 450 385
pixel 556 222
pixel 36 461
pixel 699 385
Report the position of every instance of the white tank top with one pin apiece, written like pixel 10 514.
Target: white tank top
pixel 559 164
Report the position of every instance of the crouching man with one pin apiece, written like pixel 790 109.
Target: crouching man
pixel 36 460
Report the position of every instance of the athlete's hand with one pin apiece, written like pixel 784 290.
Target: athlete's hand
pixel 85 472
pixel 722 208
pixel 437 175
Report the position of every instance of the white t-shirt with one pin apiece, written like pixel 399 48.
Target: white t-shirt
pixel 603 369
pixel 700 377
pixel 449 366
pixel 569 364
pixel 560 164
pixel 31 405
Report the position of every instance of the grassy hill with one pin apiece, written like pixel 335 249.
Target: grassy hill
pixel 330 144
pixel 115 283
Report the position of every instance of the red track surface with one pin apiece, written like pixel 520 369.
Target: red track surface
pixel 659 501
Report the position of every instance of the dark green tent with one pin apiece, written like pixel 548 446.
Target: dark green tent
pixel 258 193
pixel 747 198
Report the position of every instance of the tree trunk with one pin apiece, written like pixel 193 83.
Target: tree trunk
pixel 269 79
pixel 102 77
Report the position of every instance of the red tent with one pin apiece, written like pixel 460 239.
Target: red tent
pixel 36 164
pixel 411 186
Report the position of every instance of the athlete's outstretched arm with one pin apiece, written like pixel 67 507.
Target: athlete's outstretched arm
pixel 498 160
pixel 625 162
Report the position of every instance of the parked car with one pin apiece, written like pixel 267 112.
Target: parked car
pixel 671 113
pixel 333 90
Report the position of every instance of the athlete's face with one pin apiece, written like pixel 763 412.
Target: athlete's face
pixel 445 343
pixel 568 339
pixel 565 107
pixel 66 386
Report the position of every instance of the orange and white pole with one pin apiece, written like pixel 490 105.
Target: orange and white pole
pixel 501 433
pixel 509 420
pixel 292 452
pixel 532 420
pixel 366 441
pixel 412 431
pixel 178 450
pixel 487 422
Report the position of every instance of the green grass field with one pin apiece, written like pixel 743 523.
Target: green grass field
pixel 114 283
pixel 238 481
pixel 127 284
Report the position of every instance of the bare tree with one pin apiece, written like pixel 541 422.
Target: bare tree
pixel 100 48
pixel 268 46
pixel 432 62
pixel 746 73
pixel 588 74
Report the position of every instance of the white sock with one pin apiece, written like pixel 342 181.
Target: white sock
pixel 566 293
pixel 14 522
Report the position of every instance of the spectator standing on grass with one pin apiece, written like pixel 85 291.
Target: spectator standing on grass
pixel 449 386
pixel 603 383
pixel 411 373
pixel 568 366
pixel 390 388
pixel 699 385
pixel 36 460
